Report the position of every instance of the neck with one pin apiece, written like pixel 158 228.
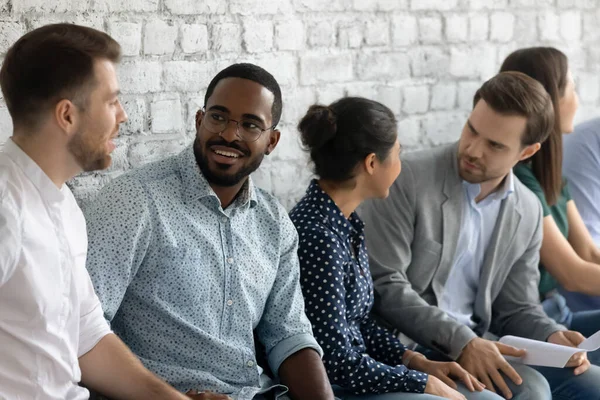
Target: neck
pixel 489 187
pixel 227 194
pixel 346 199
pixel 51 156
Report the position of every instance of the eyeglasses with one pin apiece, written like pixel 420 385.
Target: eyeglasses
pixel 248 130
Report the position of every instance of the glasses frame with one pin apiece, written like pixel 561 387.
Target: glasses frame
pixel 237 128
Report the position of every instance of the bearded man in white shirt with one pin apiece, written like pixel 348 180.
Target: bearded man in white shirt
pixel 61 90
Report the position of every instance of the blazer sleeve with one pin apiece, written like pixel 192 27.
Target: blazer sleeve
pixel 517 310
pixel 389 233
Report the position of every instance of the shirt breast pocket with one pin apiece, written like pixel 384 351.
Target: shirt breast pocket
pixel 426 255
pixel 183 280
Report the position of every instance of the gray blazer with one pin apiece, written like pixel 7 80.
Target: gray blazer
pixel 412 237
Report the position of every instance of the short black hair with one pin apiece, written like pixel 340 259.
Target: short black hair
pixel 339 136
pixel 253 73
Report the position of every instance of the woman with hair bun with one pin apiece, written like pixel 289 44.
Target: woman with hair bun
pixel 354 147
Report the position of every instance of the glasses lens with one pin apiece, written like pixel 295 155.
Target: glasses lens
pixel 215 122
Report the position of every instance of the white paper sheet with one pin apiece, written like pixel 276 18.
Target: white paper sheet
pixel 548 354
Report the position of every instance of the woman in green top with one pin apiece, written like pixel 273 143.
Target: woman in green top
pixel 569 257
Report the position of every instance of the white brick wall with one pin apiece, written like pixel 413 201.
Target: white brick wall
pixel 423 58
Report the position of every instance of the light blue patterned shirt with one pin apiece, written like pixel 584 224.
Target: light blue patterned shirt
pixel 185 283
pixel 476 229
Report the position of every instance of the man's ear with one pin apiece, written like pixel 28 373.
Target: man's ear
pixel 67 115
pixel 274 137
pixel 199 115
pixel 529 151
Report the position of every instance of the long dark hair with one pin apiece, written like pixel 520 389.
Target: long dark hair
pixel 549 66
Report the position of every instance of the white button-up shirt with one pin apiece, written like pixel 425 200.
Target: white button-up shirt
pixel 477 226
pixel 49 313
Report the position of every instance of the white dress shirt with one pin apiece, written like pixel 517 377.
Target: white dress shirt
pixel 477 226
pixel 49 313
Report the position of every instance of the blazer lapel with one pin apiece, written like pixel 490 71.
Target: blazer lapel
pixel 452 219
pixel 501 241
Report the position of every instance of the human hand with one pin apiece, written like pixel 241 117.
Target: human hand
pixel 446 372
pixel 579 361
pixel 484 359
pixel 438 388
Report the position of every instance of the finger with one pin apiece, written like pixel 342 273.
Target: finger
pixel 465 378
pixel 574 337
pixel 510 350
pixel 447 381
pixel 476 384
pixel 576 360
pixel 582 368
pixel 485 379
pixel 501 384
pixel 510 372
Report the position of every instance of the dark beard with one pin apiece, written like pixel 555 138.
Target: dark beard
pixel 224 179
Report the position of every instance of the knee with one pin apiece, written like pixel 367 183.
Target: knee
pixel 534 387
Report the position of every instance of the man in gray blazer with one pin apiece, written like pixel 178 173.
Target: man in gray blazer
pixel 454 249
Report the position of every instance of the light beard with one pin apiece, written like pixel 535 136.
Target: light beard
pixel 88 155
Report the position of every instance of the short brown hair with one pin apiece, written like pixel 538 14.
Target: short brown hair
pixel 49 64
pixel 549 66
pixel 514 93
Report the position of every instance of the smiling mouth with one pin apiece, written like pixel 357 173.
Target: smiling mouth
pixel 227 154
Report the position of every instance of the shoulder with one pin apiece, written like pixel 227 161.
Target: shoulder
pixel 12 187
pixel 136 184
pixel 528 197
pixel 424 167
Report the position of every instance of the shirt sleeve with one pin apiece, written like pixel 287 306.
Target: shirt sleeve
pixel 381 343
pixel 284 328
pixel 322 278
pixel 119 229
pixel 92 325
pixel 10 238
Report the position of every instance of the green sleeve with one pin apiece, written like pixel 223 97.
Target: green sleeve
pixel 525 175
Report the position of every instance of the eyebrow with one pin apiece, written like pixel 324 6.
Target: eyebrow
pixel 245 116
pixel 116 93
pixel 493 142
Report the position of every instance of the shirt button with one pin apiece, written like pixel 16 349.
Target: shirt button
pixel 229 302
pixel 230 260
pixel 250 364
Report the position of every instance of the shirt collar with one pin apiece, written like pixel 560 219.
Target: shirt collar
pixel 34 173
pixel 343 226
pixel 506 188
pixel 197 187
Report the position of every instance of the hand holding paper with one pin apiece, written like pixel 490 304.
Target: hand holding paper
pixel 549 354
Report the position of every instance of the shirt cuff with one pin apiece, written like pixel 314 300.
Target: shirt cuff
pixel 92 328
pixel 462 337
pixel 415 381
pixel 289 346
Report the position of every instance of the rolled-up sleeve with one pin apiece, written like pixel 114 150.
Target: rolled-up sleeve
pixel 92 325
pixel 284 328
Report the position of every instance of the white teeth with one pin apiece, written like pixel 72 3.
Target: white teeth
pixel 226 154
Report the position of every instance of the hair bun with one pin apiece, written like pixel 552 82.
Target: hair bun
pixel 318 126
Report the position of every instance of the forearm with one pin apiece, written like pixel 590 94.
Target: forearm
pixel 582 277
pixel 114 371
pixel 304 374
pixel 429 325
